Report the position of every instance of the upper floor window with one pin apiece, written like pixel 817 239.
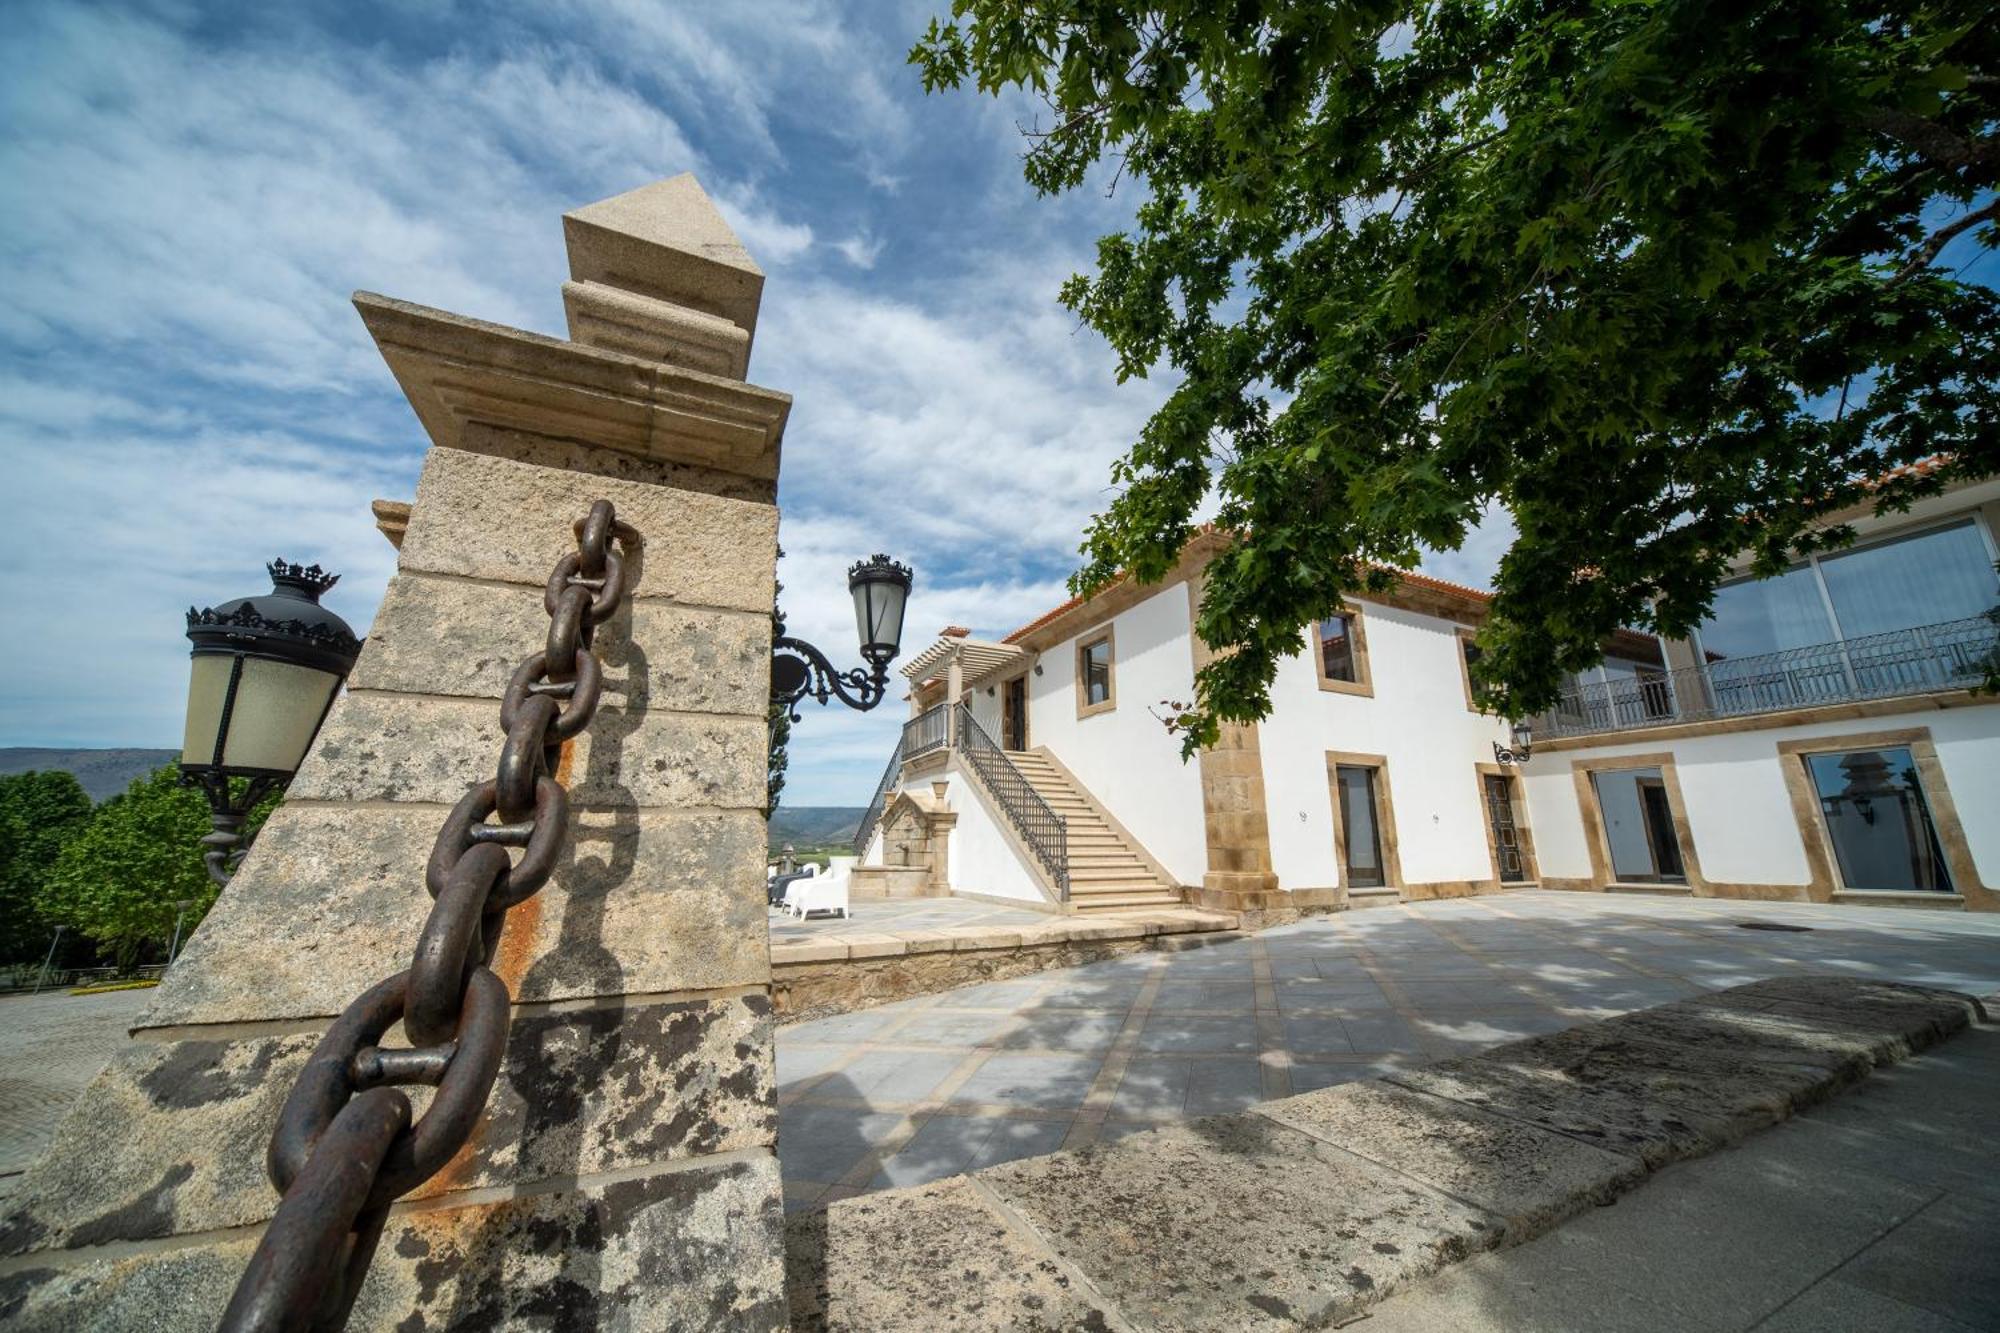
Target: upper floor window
pixel 1340 647
pixel 1932 577
pixel 1096 685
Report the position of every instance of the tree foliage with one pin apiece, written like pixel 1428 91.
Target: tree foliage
pixel 1660 277
pixel 119 880
pixel 39 812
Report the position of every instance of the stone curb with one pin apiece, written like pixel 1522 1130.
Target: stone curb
pixel 1307 1210
pixel 1183 932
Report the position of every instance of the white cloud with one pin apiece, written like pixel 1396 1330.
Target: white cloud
pixel 186 391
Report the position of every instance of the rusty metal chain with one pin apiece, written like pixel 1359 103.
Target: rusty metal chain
pixel 347 1145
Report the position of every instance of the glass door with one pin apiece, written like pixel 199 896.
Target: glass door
pixel 1360 828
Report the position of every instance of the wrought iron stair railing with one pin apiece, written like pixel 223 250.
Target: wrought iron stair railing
pixel 1953 655
pixel 1044 831
pixel 891 776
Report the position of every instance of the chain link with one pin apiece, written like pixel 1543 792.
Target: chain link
pixel 346 1146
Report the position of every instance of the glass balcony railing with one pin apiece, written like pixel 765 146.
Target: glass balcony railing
pixel 1954 655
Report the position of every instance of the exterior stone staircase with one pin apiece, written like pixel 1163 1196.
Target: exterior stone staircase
pixel 1107 873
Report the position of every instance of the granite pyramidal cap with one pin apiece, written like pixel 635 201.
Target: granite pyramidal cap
pixel 624 1165
pixel 662 306
pixel 657 272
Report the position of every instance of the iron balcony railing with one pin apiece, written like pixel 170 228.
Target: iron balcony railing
pixel 872 816
pixel 1045 831
pixel 1954 655
pixel 927 731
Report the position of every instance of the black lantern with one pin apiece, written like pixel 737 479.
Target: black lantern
pixel 1522 740
pixel 881 588
pixel 265 671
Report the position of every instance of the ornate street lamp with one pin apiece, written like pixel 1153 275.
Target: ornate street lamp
pixel 1522 738
pixel 881 588
pixel 265 672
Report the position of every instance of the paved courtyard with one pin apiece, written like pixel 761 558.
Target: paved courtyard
pixel 943 1084
pixel 51 1045
pixel 871 916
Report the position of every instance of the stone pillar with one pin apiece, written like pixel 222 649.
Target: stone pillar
pixel 624 1174
pixel 1239 876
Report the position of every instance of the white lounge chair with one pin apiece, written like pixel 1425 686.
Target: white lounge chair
pixel 820 893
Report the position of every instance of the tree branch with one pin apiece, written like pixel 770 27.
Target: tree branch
pixel 1926 138
pixel 1943 236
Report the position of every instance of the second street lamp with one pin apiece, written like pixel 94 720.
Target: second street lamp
pixel 881 588
pixel 265 672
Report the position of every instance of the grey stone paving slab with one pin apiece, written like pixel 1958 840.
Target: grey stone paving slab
pixel 1713 1084
pixel 1528 1177
pixel 1607 1117
pixel 1835 1304
pixel 1176 1226
pixel 893 1275
pixel 1215 1034
pixel 1933 1262
pixel 899 1076
pixel 1044 1082
pixel 824 1143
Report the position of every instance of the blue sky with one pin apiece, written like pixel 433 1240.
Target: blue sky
pixel 189 194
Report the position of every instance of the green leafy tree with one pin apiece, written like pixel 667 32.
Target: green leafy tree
pixel 1659 277
pixel 39 812
pixel 118 881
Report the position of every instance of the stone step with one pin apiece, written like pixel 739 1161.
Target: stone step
pixel 1111 874
pixel 1135 902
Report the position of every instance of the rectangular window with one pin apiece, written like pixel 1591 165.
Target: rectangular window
pixel 1639 826
pixel 1094 684
pixel 1925 578
pixel 1878 821
pixel 1336 649
pixel 1360 828
pixel 1928 578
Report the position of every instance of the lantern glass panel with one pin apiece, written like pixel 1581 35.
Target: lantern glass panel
pixel 208 685
pixel 278 708
pixel 878 615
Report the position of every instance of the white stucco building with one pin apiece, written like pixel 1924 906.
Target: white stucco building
pixel 1817 739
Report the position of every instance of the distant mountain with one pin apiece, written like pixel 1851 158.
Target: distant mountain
pixel 100 773
pixel 814 825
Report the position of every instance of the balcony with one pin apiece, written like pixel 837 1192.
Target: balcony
pixel 1955 655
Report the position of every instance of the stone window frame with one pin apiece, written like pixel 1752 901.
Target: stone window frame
pixel 1363 683
pixel 1530 863
pixel 1385 819
pixel 1464 638
pixel 1823 866
pixel 1597 839
pixel 1107 636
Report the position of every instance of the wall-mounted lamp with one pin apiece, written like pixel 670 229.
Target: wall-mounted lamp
pixel 1522 737
pixel 881 589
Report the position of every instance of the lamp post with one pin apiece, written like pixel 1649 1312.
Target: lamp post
pixel 881 588
pixel 1522 740
pixel 264 674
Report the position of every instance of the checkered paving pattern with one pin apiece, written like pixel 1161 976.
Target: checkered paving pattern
pixel 944 1084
